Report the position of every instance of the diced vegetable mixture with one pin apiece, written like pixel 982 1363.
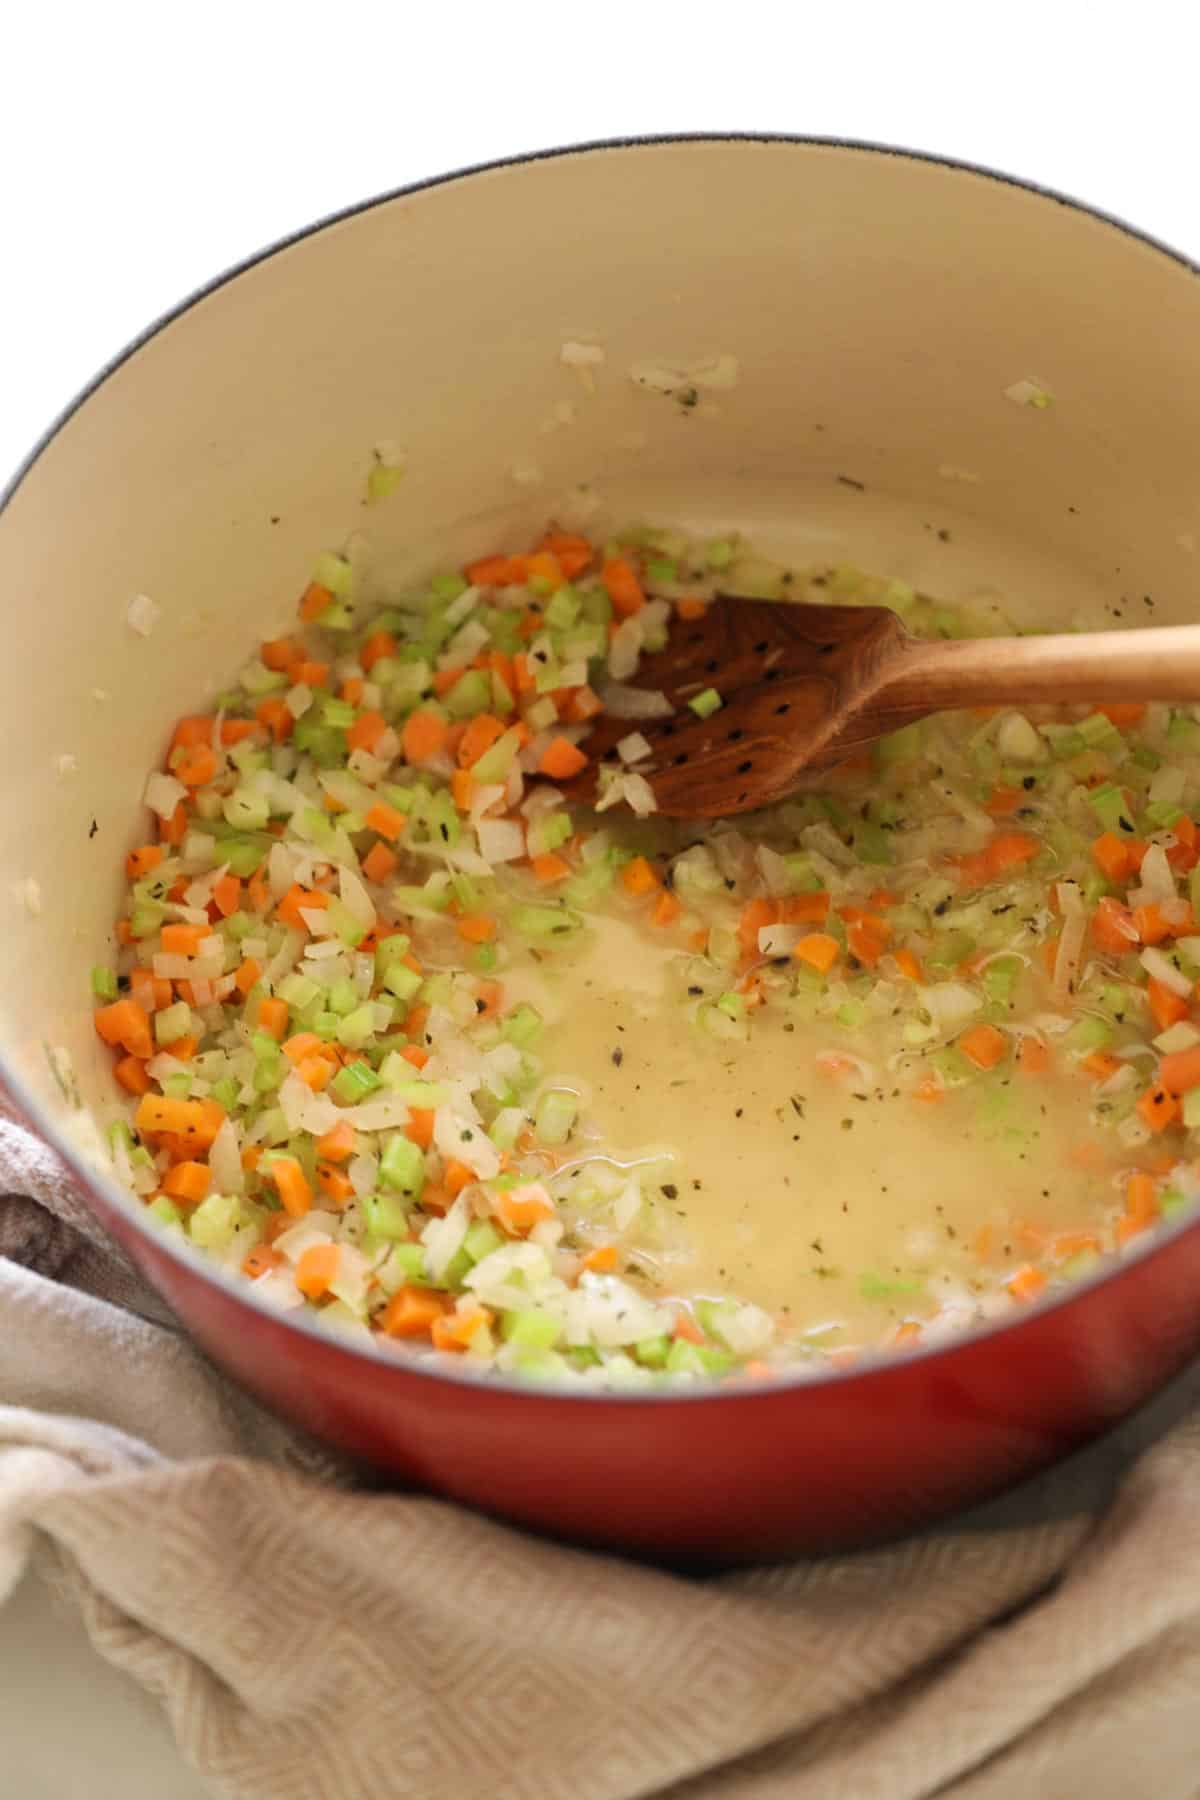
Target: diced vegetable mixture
pixel 382 1002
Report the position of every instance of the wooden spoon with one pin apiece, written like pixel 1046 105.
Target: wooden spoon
pixel 802 686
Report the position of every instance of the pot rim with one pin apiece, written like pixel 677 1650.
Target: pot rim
pixel 874 1363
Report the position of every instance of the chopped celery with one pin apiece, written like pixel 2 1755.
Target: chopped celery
pixel 215 1221
pixel 555 1116
pixel 705 704
pixel 873 1286
pixel 358 1027
pixel 470 694
pixel 544 921
pixel 531 1328
pixel 104 983
pixel 522 1027
pixel 402 1166
pixel 354 1082
pixel 1191 1109
pixel 333 572
pixel 871 843
pixel 164 1210
pixel 1088 1035
pixel 400 980
pixel 481 1239
pixel 386 1216
pixel 1109 805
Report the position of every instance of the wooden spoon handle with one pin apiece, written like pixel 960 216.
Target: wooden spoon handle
pixel 1159 664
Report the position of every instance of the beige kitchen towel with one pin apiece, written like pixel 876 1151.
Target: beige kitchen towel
pixel 313 1642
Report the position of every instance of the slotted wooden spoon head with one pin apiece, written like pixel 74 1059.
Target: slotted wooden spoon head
pixel 795 681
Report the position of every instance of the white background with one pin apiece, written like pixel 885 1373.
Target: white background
pixel 145 148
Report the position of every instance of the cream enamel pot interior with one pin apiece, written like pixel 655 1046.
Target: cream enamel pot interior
pixel 879 305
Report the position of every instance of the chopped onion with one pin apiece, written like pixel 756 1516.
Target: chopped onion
pixel 634 703
pixel 355 898
pixel 1158 878
pixel 634 748
pixel 500 840
pixel 779 940
pixel 225 1161
pixel 1164 970
pixel 163 794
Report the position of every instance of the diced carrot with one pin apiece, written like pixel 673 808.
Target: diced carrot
pixel 280 654
pixel 195 767
pixel 929 1090
pixel 273 1018
pixel 366 731
pixel 272 713
pixel 983 1045
pixel 139 863
pixel 294 1191
pixel 457 1176
pixel 456 1330
pixel 335 1184
pixel 640 877
pixel 260 1261
pixel 247 974
pixel 412 1312
pixel 462 789
pixel 754 916
pixel 227 895
pixel 1009 849
pixel 1166 1006
pixel 258 893
pixel 423 736
pixel 251 1157
pixel 574 553
pixel 1179 1072
pixel 690 610
pixel 1157 1108
pixel 1026 1284
pixel 1087 1156
pixel 419 1128
pixel 1004 800
pixel 867 939
pixel 387 820
pixel 974 870
pixel 667 909
pixel 685 1329
pixel 908 965
pixel 1150 924
pixel 562 760
pixel 622 585
pixel 130 1071
pixel 546 567
pixel 818 950
pixel 126 1024
pixel 477 928
pixel 602 1260
pixel 189 1181
pixel 1100 1064
pixel 550 868
pixel 1113 928
pixel 314 601
pixel 195 1121
pixel 152 992
pixel 481 733
pixel 193 730
pixel 1123 713
pixel 184 1048
pixel 316 1269
pixel 797 909
pixel 352 689
pixel 414 1054
pixel 1111 856
pixel 338 1144
pixel 298 901
pixel 519 1209
pixel 415 1020
pixel 496 571
pixel 1033 1055
pixel 377 646
pixel 184 940
pixel 316 1072
pixel 380 862
pixel 174 829
pixel 235 731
